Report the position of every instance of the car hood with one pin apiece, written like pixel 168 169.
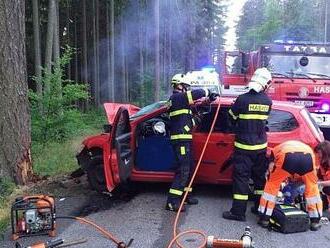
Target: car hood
pixel 112 108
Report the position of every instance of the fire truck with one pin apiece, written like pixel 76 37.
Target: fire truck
pixel 300 72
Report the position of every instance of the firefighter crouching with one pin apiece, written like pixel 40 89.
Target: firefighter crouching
pixel 181 125
pixel 289 158
pixel 250 112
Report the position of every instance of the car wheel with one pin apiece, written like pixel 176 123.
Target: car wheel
pixel 95 174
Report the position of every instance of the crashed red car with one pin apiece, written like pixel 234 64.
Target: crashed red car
pixel 136 145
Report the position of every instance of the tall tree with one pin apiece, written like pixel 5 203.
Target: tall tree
pixel 157 59
pixel 36 37
pixel 15 160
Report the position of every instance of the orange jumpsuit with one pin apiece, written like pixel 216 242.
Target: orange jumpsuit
pixel 290 158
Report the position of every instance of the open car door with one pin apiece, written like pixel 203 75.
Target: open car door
pixel 120 164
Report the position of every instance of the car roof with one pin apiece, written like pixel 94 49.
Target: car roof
pixel 277 104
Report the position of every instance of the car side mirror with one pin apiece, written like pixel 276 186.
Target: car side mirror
pixel 107 128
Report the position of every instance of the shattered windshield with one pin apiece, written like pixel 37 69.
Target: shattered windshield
pixel 148 109
pixel 298 66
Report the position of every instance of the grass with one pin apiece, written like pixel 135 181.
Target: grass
pixel 50 159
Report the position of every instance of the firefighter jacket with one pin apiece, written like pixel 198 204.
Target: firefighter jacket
pixel 180 113
pixel 250 113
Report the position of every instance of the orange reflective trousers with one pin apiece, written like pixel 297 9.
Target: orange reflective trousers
pixel 292 157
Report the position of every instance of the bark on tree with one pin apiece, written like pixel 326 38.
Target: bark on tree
pixel 36 40
pixel 157 57
pixel 15 160
pixel 49 38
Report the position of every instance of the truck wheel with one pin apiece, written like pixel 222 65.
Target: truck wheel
pixel 95 174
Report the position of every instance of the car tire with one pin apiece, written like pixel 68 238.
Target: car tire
pixel 95 174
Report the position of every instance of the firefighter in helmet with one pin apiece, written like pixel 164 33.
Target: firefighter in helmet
pixel 288 159
pixel 181 123
pixel 249 113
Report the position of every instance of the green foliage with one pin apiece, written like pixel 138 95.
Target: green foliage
pixel 6 188
pixel 54 113
pixel 265 21
pixel 55 158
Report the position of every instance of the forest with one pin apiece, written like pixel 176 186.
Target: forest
pixel 63 58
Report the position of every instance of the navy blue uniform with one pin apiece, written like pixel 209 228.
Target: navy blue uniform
pixel 182 122
pixel 250 112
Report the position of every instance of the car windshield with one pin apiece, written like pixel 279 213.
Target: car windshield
pixel 298 66
pixel 148 109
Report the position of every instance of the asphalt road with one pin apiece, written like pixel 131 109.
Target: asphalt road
pixel 144 219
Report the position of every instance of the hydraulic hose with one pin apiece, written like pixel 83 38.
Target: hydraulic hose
pixel 175 235
pixel 107 234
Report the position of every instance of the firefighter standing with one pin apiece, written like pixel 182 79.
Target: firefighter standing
pixel 250 112
pixel 290 158
pixel 181 123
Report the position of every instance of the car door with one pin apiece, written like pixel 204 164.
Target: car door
pixel 120 164
pixel 216 163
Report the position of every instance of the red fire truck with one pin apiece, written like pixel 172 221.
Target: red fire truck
pixel 300 71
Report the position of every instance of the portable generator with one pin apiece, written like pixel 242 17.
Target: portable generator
pixel 33 215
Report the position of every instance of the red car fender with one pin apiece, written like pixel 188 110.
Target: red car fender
pixel 96 141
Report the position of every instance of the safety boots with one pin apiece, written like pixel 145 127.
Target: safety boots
pixel 230 216
pixel 315 224
pixel 174 207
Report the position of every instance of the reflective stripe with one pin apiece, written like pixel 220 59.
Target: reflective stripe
pixel 190 98
pixel 176 192
pixel 253 117
pixel 262 209
pixel 180 112
pixel 241 197
pixel 269 197
pixel 313 200
pixel 232 114
pixel 187 128
pixel 314 214
pixel 183 150
pixel 193 122
pixel 181 136
pixel 273 222
pixel 258 192
pixel 294 212
pixel 250 147
pixel 188 189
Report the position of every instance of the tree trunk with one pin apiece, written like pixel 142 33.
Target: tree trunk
pixel 97 36
pixel 112 49
pixel 68 30
pixel 141 68
pixel 84 38
pixel 49 39
pixel 15 160
pixel 157 57
pixel 56 46
pixel 37 54
pixel 108 47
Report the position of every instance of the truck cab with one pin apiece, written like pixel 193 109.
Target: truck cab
pixel 300 72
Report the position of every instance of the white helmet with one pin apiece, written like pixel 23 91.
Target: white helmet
pixel 260 80
pixel 178 79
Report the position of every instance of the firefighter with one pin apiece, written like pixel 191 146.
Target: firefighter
pixel 250 112
pixel 288 159
pixel 322 152
pixel 181 124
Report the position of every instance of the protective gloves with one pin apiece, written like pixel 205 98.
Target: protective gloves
pixel 213 96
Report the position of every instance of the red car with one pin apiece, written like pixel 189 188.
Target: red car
pixel 136 145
